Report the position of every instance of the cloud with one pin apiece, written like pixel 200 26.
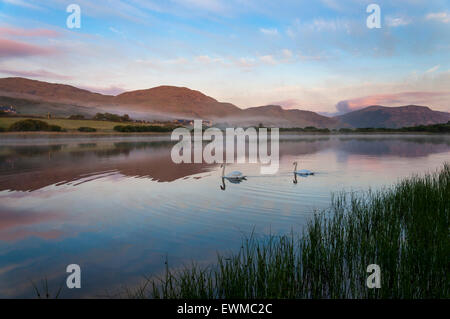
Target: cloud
pixel 177 61
pixel 10 48
pixel 332 4
pixel 433 69
pixel 268 59
pixel 114 30
pixel 271 32
pixel 320 25
pixel 208 5
pixel 12 31
pixel 287 53
pixel 443 17
pixel 397 21
pixel 35 74
pixel 245 63
pixel 21 3
pixel 395 99
pixel 331 25
pixel 206 59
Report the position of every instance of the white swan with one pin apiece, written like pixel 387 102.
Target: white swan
pixel 233 176
pixel 302 172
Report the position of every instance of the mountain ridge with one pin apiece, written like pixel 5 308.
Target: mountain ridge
pixel 166 101
pixel 379 116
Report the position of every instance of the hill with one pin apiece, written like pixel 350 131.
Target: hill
pixel 393 117
pixel 168 102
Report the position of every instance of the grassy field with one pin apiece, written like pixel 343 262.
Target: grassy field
pixel 70 125
pixel 404 230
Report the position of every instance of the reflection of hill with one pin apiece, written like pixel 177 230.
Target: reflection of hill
pixel 28 168
pixel 394 146
pixel 31 168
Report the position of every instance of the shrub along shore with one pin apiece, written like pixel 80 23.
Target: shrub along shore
pixel 403 229
pixel 105 125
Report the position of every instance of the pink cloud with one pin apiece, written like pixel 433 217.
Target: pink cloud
pixel 10 48
pixel 10 31
pixel 35 74
pixel 395 99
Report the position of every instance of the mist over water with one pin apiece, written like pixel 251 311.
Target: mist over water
pixel 120 207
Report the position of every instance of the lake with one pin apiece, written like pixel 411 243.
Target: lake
pixel 119 207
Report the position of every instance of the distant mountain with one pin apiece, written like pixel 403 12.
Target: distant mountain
pixel 50 92
pixel 37 97
pixel 176 100
pixel 276 115
pixel 167 102
pixel 393 117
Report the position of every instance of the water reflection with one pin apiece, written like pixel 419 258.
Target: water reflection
pixel 119 208
pixel 31 167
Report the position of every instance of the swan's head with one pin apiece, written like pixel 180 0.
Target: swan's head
pixel 295 163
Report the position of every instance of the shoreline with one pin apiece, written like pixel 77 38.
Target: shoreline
pixel 63 135
pixel 56 135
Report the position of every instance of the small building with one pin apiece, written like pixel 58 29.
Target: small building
pixel 8 109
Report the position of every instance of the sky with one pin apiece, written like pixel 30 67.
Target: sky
pixel 312 55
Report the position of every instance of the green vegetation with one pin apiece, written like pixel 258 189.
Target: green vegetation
pixel 308 129
pixel 87 129
pixel 66 124
pixel 44 292
pixel 404 230
pixel 34 126
pixel 111 117
pixel 143 128
pixel 435 128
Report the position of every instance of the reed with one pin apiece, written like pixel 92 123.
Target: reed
pixel 403 229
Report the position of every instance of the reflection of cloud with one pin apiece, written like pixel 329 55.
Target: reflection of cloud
pixel 405 98
pixel 10 219
pixel 14 224
pixel 21 234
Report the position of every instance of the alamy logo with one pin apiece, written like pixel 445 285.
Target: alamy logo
pixel 374 20
pixel 74 279
pixel 374 280
pixel 74 20
pixel 215 152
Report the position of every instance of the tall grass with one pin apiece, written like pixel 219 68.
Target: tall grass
pixel 403 229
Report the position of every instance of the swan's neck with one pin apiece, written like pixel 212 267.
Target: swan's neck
pixel 223 170
pixel 295 168
pixel 223 184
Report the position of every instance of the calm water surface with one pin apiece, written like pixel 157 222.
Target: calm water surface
pixel 119 208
